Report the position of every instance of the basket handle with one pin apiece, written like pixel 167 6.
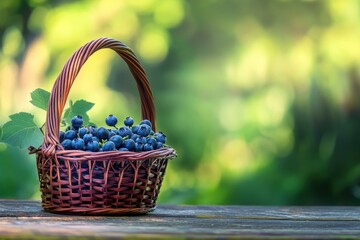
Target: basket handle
pixel 64 81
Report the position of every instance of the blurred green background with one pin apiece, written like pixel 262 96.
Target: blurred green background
pixel 259 98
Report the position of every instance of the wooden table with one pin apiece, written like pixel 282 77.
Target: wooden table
pixel 26 220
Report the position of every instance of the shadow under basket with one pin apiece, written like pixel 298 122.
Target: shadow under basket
pixel 98 183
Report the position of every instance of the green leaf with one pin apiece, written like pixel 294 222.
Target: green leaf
pixel 40 98
pixel 80 107
pixel 21 131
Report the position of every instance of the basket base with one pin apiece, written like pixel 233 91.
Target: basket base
pixel 99 211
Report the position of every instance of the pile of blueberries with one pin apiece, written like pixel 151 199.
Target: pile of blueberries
pixel 130 137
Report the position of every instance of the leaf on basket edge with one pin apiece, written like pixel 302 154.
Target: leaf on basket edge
pixel 40 98
pixel 21 131
pixel 79 107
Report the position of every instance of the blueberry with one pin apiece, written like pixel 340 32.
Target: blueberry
pixel 134 136
pixel 160 137
pixel 152 141
pixel 129 121
pixel 95 139
pixel 117 140
pixel 93 130
pixel 82 132
pixel 71 134
pixel 151 132
pixel 75 129
pixel 144 130
pixel 66 144
pixel 124 132
pixel 112 133
pixel 135 129
pixel 148 147
pixel 77 122
pixel 159 145
pixel 108 146
pixel 123 149
pixel 78 144
pixel 111 120
pixel 93 146
pixel 138 147
pixel 129 144
pixel 147 122
pixel 87 138
pixel 102 133
pixel 61 136
pixel 141 140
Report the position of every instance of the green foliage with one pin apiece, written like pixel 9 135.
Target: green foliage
pixel 18 173
pixel 80 107
pixel 40 98
pixel 21 131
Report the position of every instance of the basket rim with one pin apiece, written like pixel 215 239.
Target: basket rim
pixel 116 155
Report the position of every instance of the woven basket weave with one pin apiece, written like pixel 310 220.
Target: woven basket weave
pixel 103 183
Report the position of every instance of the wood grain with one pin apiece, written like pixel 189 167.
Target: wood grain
pixel 26 220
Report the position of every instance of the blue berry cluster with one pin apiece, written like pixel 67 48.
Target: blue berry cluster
pixel 130 137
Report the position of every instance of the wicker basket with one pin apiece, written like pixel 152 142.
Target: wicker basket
pixel 100 183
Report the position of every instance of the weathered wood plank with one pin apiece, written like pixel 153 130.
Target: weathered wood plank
pixel 25 219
